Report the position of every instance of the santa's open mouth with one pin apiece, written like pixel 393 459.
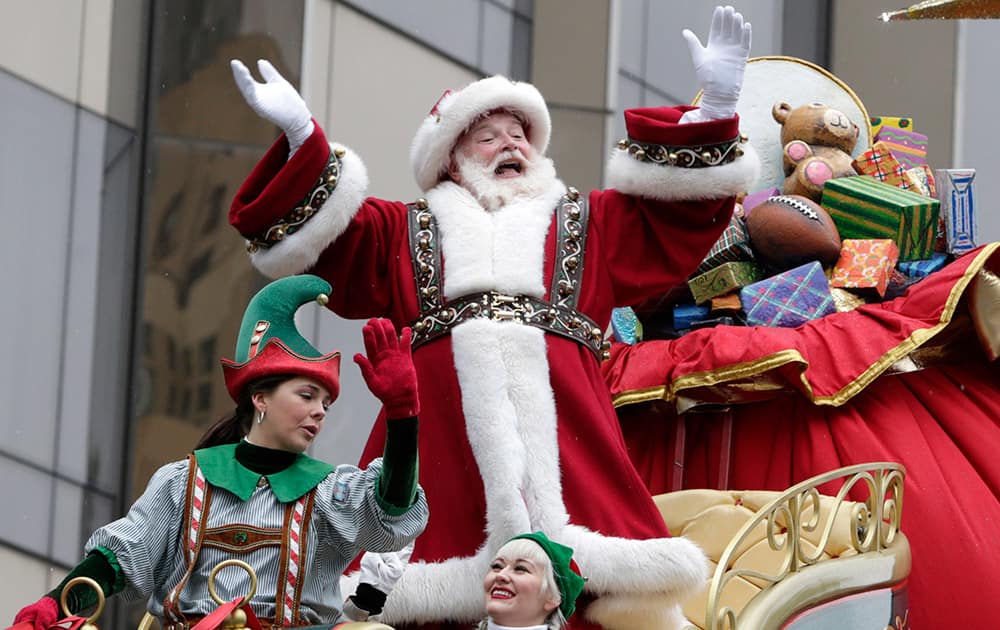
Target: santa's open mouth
pixel 508 169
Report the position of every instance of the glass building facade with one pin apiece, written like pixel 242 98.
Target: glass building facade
pixel 125 140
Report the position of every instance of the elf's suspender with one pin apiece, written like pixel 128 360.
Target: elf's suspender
pixel 239 539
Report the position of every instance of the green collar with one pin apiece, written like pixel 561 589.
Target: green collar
pixel 222 470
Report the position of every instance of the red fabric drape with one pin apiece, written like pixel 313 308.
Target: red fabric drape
pixel 941 422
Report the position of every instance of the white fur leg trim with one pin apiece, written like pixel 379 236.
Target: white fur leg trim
pixel 673 567
pixel 442 591
pixel 627 612
pixel 674 183
pixel 301 250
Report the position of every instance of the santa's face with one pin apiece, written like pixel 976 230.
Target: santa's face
pixel 495 162
pixel 498 142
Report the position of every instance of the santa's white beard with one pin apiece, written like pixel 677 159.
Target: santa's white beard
pixel 493 192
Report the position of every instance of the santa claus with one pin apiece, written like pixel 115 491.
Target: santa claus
pixel 508 277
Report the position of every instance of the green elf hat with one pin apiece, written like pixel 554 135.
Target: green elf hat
pixel 568 577
pixel 269 343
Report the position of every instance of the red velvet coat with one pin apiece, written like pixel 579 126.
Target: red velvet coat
pixel 517 427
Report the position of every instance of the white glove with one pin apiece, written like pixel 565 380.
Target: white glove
pixel 383 570
pixel 720 65
pixel 275 101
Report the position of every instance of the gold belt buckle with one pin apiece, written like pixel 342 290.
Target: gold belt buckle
pixel 505 308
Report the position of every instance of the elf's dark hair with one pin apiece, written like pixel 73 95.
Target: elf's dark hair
pixel 234 426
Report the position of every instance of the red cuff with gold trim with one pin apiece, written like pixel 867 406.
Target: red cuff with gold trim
pixel 277 184
pixel 661 125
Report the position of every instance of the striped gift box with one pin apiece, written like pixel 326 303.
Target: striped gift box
pixel 865 264
pixel 955 190
pixel 732 246
pixel 909 147
pixel 788 299
pixel 863 207
pixel 899 122
pixel 723 279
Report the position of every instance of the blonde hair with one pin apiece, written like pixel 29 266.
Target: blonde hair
pixel 530 550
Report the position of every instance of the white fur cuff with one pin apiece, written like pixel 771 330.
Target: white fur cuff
pixel 300 251
pixel 674 183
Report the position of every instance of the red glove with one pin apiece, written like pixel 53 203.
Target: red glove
pixel 41 614
pixel 388 369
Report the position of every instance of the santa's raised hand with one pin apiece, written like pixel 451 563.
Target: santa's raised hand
pixel 275 100
pixel 720 64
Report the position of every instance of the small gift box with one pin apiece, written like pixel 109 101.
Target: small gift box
pixel 958 210
pixel 788 299
pixel 880 163
pixel 732 246
pixel 724 303
pixel 863 207
pixel 723 279
pixel 755 198
pixel 685 315
pixel 899 122
pixel 865 264
pixel 625 326
pixel 923 268
pixel 921 181
pixel 844 300
pixel 909 147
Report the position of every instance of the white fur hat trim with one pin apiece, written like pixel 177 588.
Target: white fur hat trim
pixel 430 152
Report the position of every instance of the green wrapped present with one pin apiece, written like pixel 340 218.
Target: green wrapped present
pixel 865 208
pixel 723 279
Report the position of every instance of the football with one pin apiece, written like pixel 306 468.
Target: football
pixel 790 230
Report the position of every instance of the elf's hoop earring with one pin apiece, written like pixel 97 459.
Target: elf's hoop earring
pixel 260 417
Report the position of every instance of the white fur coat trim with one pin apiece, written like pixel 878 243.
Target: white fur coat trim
pixel 503 250
pixel 673 183
pixel 301 250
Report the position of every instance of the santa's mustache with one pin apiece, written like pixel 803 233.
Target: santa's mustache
pixel 507 156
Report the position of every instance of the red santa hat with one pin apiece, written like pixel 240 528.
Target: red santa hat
pixel 456 111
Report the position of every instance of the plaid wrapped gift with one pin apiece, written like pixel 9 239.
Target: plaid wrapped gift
pixel 788 299
pixel 909 147
pixel 880 163
pixel 923 268
pixel 865 264
pixel 958 210
pixel 625 326
pixel 863 207
pixel 899 122
pixel 732 246
pixel 922 180
pixel 723 279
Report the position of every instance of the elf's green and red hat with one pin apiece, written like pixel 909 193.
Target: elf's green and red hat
pixel 568 577
pixel 269 343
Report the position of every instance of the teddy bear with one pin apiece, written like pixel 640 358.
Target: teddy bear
pixel 817 143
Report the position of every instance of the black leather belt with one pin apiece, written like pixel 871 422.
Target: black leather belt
pixel 521 309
